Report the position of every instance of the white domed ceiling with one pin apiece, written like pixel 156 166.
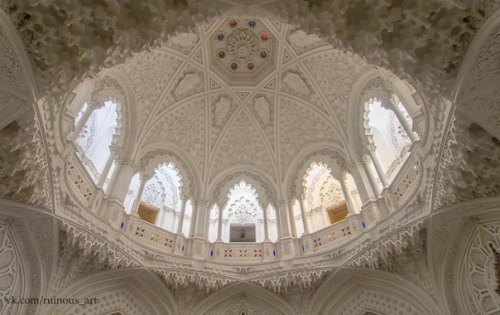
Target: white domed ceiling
pixel 242 92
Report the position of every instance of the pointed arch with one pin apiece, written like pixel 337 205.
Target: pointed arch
pixel 332 156
pixel 155 154
pixel 126 291
pixel 248 293
pixel 223 183
pixel 357 291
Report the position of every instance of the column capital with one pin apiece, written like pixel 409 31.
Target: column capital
pixel 281 202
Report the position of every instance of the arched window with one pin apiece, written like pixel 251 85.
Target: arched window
pixel 157 200
pixel 390 128
pixel 243 217
pixel 96 136
pixel 327 200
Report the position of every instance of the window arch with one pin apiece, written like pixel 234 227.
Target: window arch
pixel 243 216
pixel 389 131
pixel 95 138
pixel 326 199
pixel 157 199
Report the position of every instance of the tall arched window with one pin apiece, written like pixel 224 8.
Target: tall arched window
pixel 243 217
pixel 327 199
pixel 95 138
pixel 390 128
pixel 157 200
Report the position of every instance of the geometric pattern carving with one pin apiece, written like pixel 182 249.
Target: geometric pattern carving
pixel 262 107
pixel 11 273
pixel 335 73
pixel 242 145
pixel 184 126
pixel 190 83
pixel 294 81
pixel 149 73
pixel 377 301
pixel 298 127
pixel 242 51
pixel 223 108
pixel 479 267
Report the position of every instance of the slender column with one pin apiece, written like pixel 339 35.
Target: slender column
pixel 303 214
pixel 83 120
pixel 200 230
pixel 379 169
pixel 266 227
pixel 326 217
pixel 106 169
pixel 120 182
pixel 347 195
pixel 404 122
pixel 292 220
pixel 284 219
pixel 160 221
pixel 174 219
pixel 371 178
pixel 219 226
pixel 194 217
pixel 137 201
pixel 181 219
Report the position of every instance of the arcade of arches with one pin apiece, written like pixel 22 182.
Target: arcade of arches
pixel 250 157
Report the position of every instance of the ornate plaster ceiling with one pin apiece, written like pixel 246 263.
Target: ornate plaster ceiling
pixel 190 98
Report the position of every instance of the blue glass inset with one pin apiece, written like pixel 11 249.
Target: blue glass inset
pixel 122 225
pixel 274 252
pixel 363 225
pixel 211 253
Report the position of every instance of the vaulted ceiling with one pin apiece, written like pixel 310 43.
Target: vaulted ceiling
pixel 295 93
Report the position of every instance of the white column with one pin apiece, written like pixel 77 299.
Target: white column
pixel 194 215
pixel 347 195
pixel 106 169
pixel 83 120
pixel 202 220
pixel 219 226
pixel 326 217
pixel 371 177
pixel 174 219
pixel 404 122
pixel 379 169
pixel 120 182
pixel 181 219
pixel 137 201
pixel 266 227
pixel 284 219
pixel 292 220
pixel 302 213
pixel 160 221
